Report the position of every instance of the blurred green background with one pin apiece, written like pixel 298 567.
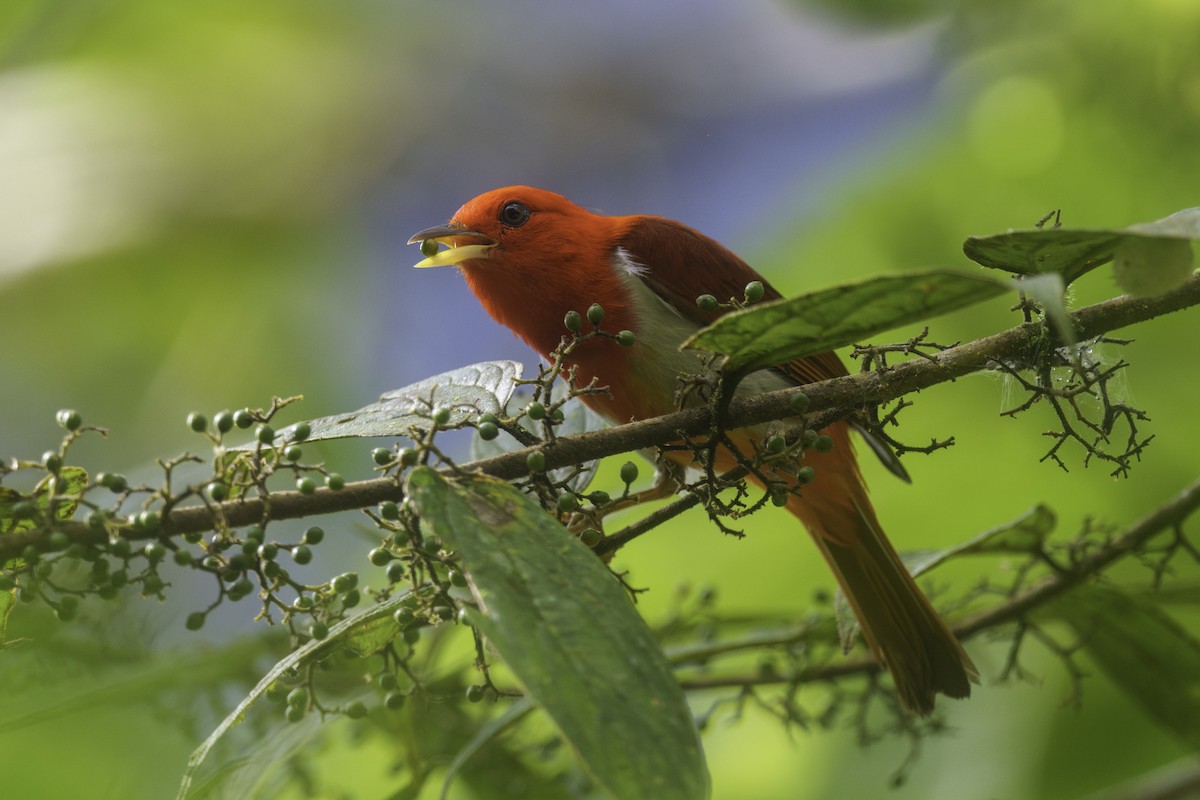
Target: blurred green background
pixel 204 205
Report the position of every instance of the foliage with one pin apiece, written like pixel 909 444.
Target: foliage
pixel 511 563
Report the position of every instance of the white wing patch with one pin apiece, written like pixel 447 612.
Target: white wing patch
pixel 625 263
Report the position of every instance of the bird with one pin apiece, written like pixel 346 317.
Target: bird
pixel 531 255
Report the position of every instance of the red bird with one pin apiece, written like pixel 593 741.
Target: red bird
pixel 531 255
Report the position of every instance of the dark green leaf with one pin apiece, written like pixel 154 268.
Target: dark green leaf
pixel 1142 650
pixel 1071 252
pixel 568 631
pixel 467 392
pixel 774 333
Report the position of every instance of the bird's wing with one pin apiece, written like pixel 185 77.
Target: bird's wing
pixel 679 264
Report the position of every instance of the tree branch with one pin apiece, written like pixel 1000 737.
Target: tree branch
pixel 833 397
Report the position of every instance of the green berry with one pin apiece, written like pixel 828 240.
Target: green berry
pixel 776 445
pixel 255 533
pixel 395 572
pixel 492 418
pixel 197 422
pixel 306 485
pixel 629 472
pixel 301 432
pixel 755 291
pixel 224 421
pixel 625 338
pixel 149 520
pixel 318 631
pixel 389 510
pixel 591 537
pixel 264 433
pixel 351 598
pixel 567 502
pixel 409 456
pixel 195 621
pixel 779 498
pixel 474 693
pixel 344 582
pixel 68 607
pixel 412 636
pixel 121 548
pixel 293 452
pixel 152 584
pixel 535 411
pixel 809 438
pixel 595 314
pixel 297 698
pixel 118 579
pixel 488 431
pixel 429 248
pixel 804 475
pixel 798 403
pixel 303 602
pixel 268 551
pixel 114 482
pixel 536 462
pixel 356 710
pixel 403 616
pixel 380 556
pixel 457 578
pixel 217 491
pixel 154 552
pixel 314 535
pixel 335 481
pixel 69 418
pixel 599 497
pixel 823 443
pixel 59 541
pixel 393 701
pixel 51 460
pixel 294 714
pixel 301 554
pixel 243 418
pixel 381 456
pixel 573 321
pixel 183 558
pixel 441 417
pixel 706 302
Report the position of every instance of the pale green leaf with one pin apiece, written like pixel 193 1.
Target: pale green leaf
pixel 467 392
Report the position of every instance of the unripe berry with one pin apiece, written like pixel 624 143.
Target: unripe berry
pixel 69 418
pixel 573 321
pixel 595 314
pixel 823 443
pixel 629 472
pixel 626 338
pixel 197 422
pixel 264 433
pixel 798 403
pixel 536 461
pixel 535 411
pixel 755 291
pixel 706 302
pixel 429 248
pixel 488 431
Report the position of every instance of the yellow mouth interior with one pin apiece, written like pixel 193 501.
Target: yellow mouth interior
pixel 455 255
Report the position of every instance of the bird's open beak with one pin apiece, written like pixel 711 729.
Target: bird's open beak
pixel 462 245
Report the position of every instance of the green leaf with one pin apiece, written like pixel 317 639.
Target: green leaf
pixel 1143 651
pixel 348 632
pixel 1025 534
pixel 483 388
pixel 774 333
pixel 569 633
pixel 67 485
pixel 1071 252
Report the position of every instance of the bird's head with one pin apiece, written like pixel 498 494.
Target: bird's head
pixel 515 227
pixel 531 255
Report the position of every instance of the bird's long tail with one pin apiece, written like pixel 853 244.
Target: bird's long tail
pixel 898 622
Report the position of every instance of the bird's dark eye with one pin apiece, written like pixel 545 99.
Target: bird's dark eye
pixel 514 214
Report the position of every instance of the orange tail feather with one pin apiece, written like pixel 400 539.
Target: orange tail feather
pixel 898 622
